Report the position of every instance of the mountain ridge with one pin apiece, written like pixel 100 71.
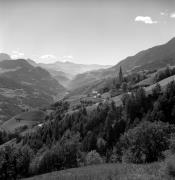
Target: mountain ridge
pixel 149 59
pixel 23 86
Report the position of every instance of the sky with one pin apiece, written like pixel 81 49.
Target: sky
pixel 84 31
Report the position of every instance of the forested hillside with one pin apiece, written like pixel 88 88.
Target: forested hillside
pixel 123 118
pixel 138 131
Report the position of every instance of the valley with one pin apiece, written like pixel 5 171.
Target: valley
pixel 87 90
pixel 24 87
pixel 116 122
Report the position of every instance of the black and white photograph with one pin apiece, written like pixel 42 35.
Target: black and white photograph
pixel 87 89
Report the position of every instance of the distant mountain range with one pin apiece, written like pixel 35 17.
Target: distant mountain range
pixel 25 86
pixel 64 72
pixel 24 83
pixel 153 58
pixel 73 68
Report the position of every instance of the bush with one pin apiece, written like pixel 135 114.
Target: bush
pixel 57 158
pixel 101 145
pixel 14 162
pixel 115 155
pixel 172 144
pixel 130 156
pixel 7 163
pixel 146 142
pixel 23 159
pixel 81 158
pixel 170 166
pixel 93 158
pixel 69 152
pixel 114 158
pixel 50 161
pixel 167 72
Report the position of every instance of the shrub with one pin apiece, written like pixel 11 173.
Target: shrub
pixel 69 152
pixel 167 72
pixel 49 162
pixel 34 164
pixel 93 158
pixel 146 142
pixel 114 158
pixel 7 163
pixel 101 145
pixel 81 158
pixel 115 155
pixel 21 129
pixel 14 162
pixel 172 143
pixel 170 166
pixel 23 159
pixel 57 158
pixel 130 156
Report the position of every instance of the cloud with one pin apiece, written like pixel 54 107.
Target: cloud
pixel 50 58
pixel 67 58
pixel 172 15
pixel 145 19
pixel 162 13
pixel 16 54
pixel 46 56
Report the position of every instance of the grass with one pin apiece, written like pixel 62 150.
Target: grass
pixel 107 172
pixel 27 118
pixel 162 83
pixel 117 100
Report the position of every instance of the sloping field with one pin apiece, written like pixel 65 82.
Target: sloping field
pixel 146 82
pixel 162 83
pixel 27 118
pixel 107 172
pixel 117 100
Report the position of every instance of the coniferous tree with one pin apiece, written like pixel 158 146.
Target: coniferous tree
pixel 120 75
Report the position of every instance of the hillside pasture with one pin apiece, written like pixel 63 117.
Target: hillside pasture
pixel 28 119
pixel 162 83
pixel 118 99
pixel 107 172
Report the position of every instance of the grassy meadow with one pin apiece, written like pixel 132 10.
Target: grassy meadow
pixel 24 119
pixel 153 171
